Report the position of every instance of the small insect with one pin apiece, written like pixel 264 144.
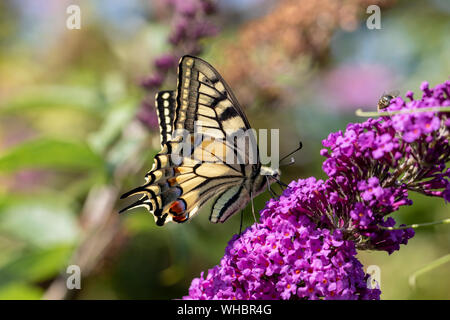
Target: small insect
pixel 385 100
pixel 175 191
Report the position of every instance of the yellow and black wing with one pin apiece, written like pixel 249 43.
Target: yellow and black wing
pixel 229 202
pixel 207 110
pixel 165 108
pixel 202 94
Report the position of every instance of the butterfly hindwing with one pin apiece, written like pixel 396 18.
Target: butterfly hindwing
pixel 229 202
pixel 165 108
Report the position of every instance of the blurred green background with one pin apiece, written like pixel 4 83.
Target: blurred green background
pixel 70 142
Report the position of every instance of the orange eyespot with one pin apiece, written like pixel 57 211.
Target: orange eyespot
pixel 181 218
pixel 177 207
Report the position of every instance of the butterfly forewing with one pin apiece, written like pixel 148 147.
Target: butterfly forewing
pixel 205 99
pixel 202 93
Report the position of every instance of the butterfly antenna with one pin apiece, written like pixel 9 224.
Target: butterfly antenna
pixel 291 162
pixel 290 154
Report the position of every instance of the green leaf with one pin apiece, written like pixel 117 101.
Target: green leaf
pixel 54 96
pixel 114 123
pixel 36 265
pixel 49 153
pixel 139 221
pixel 20 291
pixel 43 222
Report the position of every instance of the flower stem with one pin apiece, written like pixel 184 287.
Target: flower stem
pixel 417 225
pixel 361 113
pixel 436 263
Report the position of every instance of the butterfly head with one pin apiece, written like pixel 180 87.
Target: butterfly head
pixel 266 176
pixel 273 174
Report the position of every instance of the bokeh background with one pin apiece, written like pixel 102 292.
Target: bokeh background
pixel 77 128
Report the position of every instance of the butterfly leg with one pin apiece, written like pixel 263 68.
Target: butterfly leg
pixel 272 193
pixel 240 226
pixel 253 207
pixel 282 185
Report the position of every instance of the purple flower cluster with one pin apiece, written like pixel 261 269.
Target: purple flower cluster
pixel 191 24
pixel 357 208
pixel 286 256
pixel 373 165
pixel 305 244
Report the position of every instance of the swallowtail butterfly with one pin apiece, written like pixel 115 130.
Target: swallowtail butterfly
pixel 176 190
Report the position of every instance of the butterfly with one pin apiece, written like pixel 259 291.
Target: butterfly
pixel 176 190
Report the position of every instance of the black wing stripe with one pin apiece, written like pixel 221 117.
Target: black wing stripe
pixel 140 202
pixel 224 202
pixel 228 113
pixel 233 199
